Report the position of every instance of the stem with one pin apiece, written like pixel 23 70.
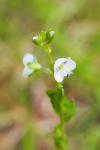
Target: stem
pixel 60 87
pixel 62 143
pixel 50 58
pixel 63 137
pixel 46 70
pixel 49 51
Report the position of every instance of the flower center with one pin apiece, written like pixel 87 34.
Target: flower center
pixel 61 67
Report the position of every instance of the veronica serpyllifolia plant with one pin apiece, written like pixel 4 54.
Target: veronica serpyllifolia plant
pixel 60 69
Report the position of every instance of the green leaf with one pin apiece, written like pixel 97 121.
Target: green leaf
pixel 43 36
pixel 60 138
pixel 62 106
pixel 68 109
pixel 54 98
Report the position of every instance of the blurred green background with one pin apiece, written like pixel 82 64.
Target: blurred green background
pixel 77 27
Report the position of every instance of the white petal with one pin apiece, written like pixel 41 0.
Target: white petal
pixel 58 62
pixel 27 71
pixel 28 58
pixel 58 76
pixel 64 72
pixel 69 65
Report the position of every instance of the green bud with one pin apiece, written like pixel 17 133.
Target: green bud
pixel 43 38
pixel 49 36
pixel 37 40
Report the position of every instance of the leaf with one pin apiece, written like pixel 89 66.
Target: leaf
pixel 60 138
pixel 54 100
pixel 62 106
pixel 68 109
pixel 43 36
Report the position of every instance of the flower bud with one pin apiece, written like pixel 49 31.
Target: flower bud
pixel 50 36
pixel 37 40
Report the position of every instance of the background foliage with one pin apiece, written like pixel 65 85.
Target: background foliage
pixel 77 27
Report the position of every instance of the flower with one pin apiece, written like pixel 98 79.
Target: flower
pixel 29 59
pixel 63 67
pixel 31 65
pixel 27 72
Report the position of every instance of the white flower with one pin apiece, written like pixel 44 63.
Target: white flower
pixel 28 59
pixel 27 72
pixel 63 67
pixel 31 65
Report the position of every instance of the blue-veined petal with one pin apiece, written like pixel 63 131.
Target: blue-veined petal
pixel 63 67
pixel 69 65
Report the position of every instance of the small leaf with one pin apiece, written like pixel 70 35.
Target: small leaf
pixel 62 106
pixel 54 100
pixel 68 109
pixel 43 36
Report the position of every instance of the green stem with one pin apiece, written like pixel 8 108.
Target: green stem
pixel 46 70
pixel 49 52
pixel 59 86
pixel 63 135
